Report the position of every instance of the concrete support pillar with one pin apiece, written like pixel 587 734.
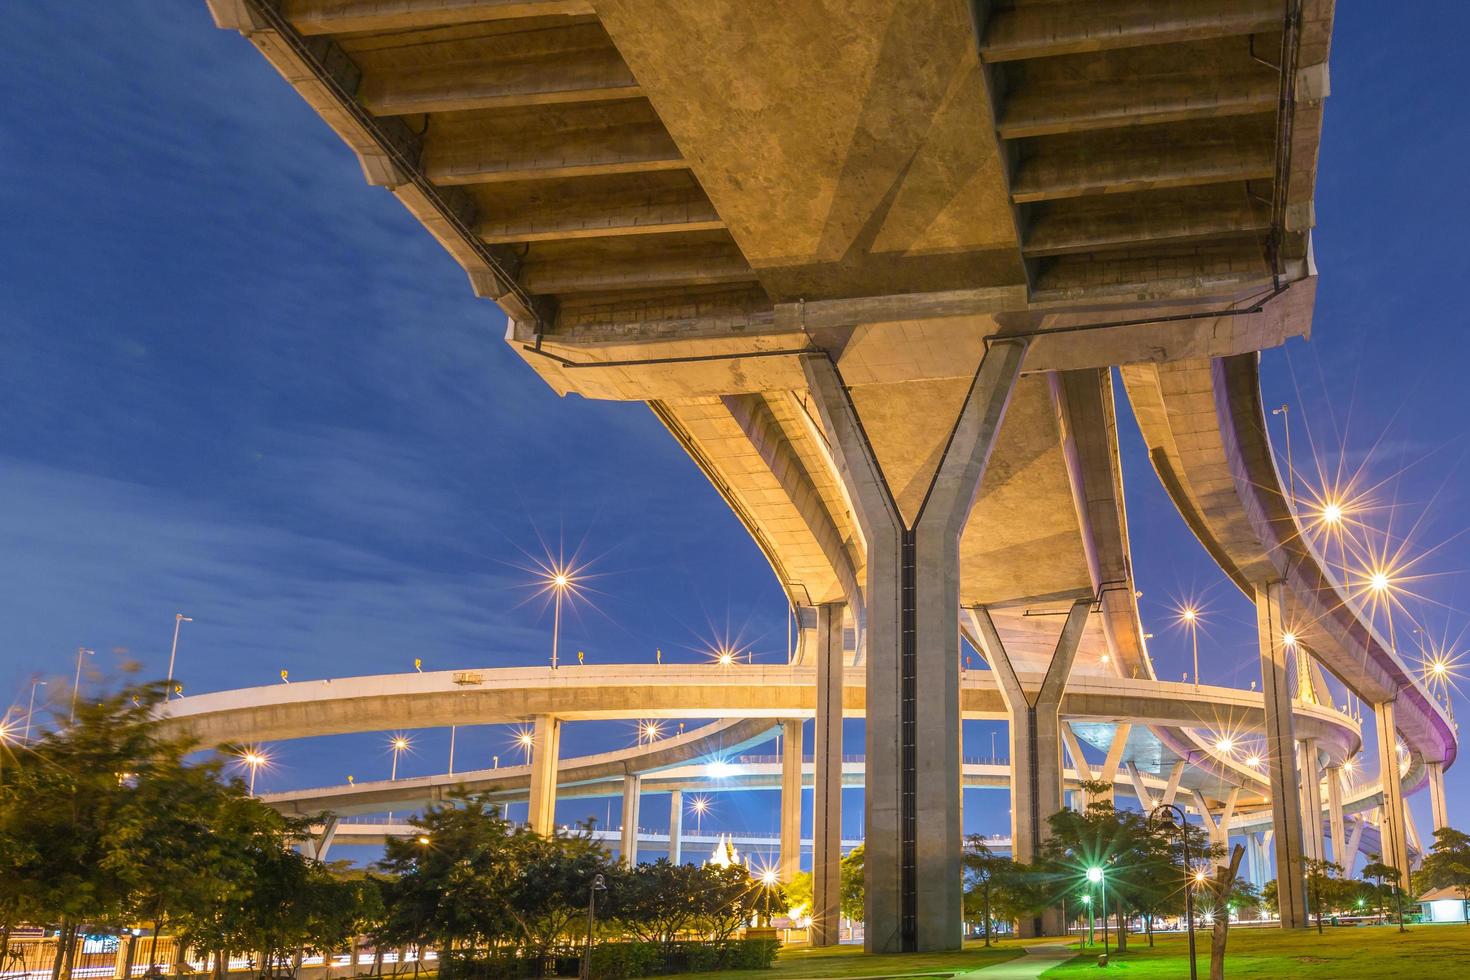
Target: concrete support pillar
pixel 329 834
pixel 791 752
pixel 632 793
pixel 1309 772
pixel 1253 864
pixel 827 779
pixel 911 600
pixel 1394 828
pixel 545 748
pixel 1334 816
pixel 1439 811
pixel 1286 811
pixel 676 827
pixel 1036 741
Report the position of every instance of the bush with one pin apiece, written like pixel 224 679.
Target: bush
pixel 620 961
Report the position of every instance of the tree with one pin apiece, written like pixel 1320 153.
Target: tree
pixel 799 892
pixel 997 889
pixel 850 884
pixel 1135 856
pixel 1447 865
pixel 1224 887
pixel 1322 878
pixel 1387 877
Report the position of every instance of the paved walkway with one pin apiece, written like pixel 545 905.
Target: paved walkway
pixel 1037 960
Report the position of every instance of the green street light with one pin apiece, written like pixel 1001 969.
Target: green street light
pixel 1095 876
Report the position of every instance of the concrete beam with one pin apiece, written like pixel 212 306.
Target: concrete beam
pixel 313 17
pixel 1038 111
pixel 490 157
pixel 1145 158
pixel 562 211
pixel 1309 773
pixel 827 778
pixel 1188 214
pixel 1280 755
pixel 632 797
pixel 1394 828
pixel 678 264
pixel 504 79
pixel 791 752
pixel 1109 771
pixel 1173 786
pixel 545 748
pixel 1438 809
pixel 1049 30
pixel 912 605
pixel 1335 816
pixel 1036 740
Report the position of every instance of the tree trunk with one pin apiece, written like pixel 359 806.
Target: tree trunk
pixel 1122 928
pixel 69 962
pixel 1148 925
pixel 153 947
pixel 1224 879
pixel 56 960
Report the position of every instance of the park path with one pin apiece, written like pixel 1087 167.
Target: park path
pixel 1037 960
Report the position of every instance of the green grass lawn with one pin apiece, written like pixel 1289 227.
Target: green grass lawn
pixel 1347 953
pixel 799 962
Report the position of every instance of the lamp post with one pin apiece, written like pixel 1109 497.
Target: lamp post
pixel 1285 412
pixel 77 683
pixel 179 620
pixel 599 884
pixel 1191 618
pixel 1091 922
pixel 1169 813
pixel 1095 875
pixel 559 581
pixel 254 760
pixel 31 709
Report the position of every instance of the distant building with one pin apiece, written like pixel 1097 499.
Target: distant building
pixel 1442 905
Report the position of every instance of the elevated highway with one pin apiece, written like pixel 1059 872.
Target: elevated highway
pixel 872 265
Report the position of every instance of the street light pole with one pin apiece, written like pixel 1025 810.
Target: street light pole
pixel 599 884
pixel 31 710
pixel 1170 813
pixel 77 683
pixel 1285 412
pixel 179 619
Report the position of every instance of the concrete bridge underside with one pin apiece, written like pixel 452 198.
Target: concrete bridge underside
pixel 872 265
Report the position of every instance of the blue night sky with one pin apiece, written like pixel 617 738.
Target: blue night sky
pixel 237 382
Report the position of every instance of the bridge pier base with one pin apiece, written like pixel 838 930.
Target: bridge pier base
pixel 1036 742
pixel 1393 828
pixel 545 747
pixel 911 602
pixel 827 779
pixel 632 794
pixel 1286 810
pixel 789 862
pixel 676 827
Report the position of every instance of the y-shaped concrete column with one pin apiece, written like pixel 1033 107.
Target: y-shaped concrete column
pixel 545 747
pixel 1439 811
pixel 791 750
pixel 1309 771
pixel 1036 741
pixel 1335 819
pixel 1286 810
pixel 827 779
pixel 676 827
pixel 632 792
pixel 913 847
pixel 1394 827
